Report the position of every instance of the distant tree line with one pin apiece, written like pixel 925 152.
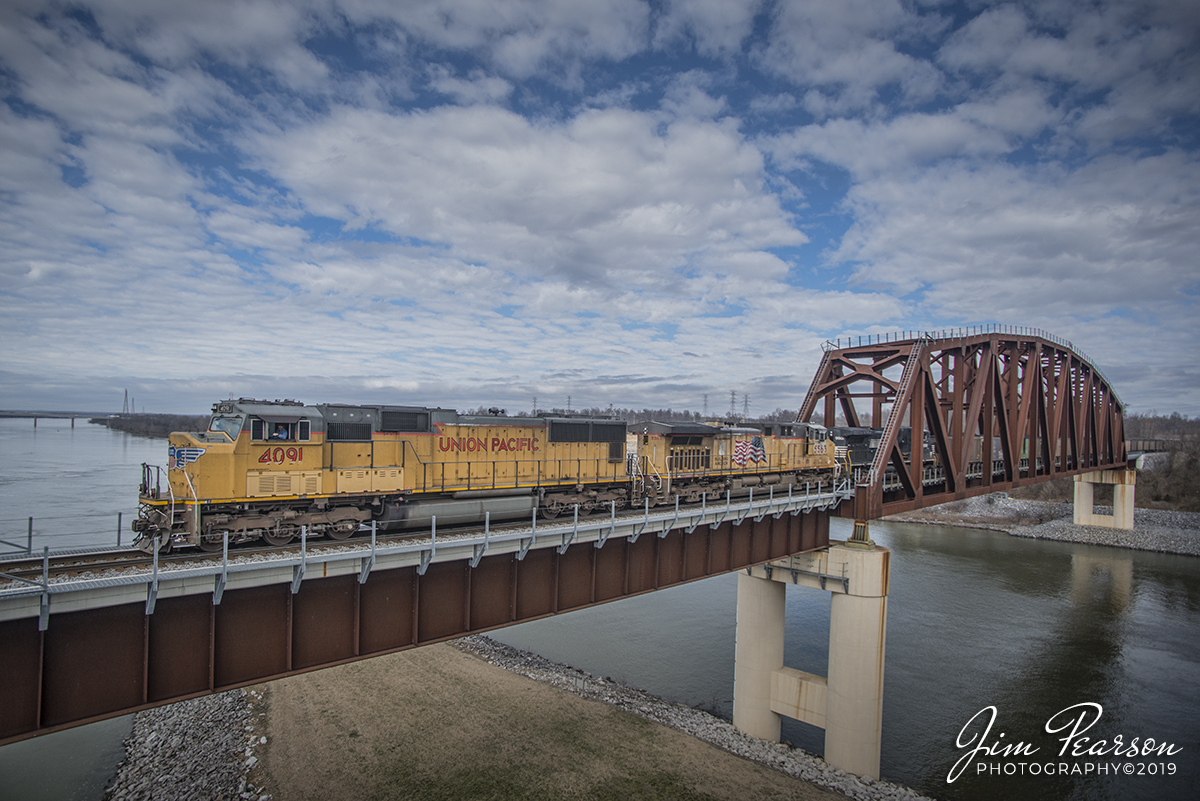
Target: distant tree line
pixel 1171 482
pixel 1174 480
pixel 1161 426
pixel 154 425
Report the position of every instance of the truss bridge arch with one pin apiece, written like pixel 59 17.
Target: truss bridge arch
pixel 964 412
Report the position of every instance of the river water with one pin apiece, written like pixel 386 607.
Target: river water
pixel 976 619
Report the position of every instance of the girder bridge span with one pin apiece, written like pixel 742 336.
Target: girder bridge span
pixel 84 649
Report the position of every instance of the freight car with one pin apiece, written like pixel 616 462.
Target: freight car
pixel 263 470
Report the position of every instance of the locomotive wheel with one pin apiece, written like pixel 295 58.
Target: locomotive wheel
pixel 281 537
pixel 342 531
pixel 210 544
pixel 553 510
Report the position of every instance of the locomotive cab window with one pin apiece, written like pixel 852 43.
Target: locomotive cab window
pixel 229 426
pixel 289 431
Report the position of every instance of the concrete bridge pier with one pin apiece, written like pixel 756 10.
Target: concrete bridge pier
pixel 1123 481
pixel 848 703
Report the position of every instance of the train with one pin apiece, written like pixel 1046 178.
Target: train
pixel 266 470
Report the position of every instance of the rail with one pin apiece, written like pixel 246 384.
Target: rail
pixel 470 546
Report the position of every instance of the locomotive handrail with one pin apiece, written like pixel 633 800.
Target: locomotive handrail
pixel 609 472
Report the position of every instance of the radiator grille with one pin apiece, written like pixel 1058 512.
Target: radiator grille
pixel 348 432
pixel 586 431
pixel 404 421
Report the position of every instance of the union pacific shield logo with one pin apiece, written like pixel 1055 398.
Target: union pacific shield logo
pixel 177 458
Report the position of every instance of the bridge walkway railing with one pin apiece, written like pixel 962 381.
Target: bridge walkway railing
pixel 433 547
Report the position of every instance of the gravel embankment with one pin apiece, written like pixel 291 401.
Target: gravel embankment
pixel 195 750
pixel 1154 529
pixel 701 725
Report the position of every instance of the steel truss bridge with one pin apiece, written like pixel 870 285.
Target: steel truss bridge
pixel 1027 403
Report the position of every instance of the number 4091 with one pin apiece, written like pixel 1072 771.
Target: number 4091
pixel 281 455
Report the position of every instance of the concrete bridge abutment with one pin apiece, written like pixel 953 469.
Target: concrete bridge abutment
pixel 1123 481
pixel 848 703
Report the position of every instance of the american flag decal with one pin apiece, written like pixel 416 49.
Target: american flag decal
pixel 177 458
pixel 752 451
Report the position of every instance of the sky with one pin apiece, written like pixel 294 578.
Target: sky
pixel 642 204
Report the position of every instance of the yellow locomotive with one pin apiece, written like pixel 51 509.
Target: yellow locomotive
pixel 264 469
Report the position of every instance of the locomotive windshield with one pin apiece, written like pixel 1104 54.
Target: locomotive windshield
pixel 228 425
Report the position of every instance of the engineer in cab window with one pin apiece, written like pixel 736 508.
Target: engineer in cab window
pixel 280 433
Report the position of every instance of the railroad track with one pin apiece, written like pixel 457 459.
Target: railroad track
pixel 31 568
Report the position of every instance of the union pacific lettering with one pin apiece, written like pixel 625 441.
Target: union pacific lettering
pixel 482 445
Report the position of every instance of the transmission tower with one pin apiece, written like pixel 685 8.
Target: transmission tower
pixel 745 408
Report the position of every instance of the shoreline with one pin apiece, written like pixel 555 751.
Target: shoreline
pixel 1155 530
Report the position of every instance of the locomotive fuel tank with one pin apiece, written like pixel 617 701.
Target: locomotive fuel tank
pixel 464 507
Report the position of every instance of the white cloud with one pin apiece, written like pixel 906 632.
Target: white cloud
pixel 714 27
pixel 519 37
pixel 592 198
pixel 847 52
pixel 478 88
pixel 1009 228
pixel 869 148
pixel 1133 57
